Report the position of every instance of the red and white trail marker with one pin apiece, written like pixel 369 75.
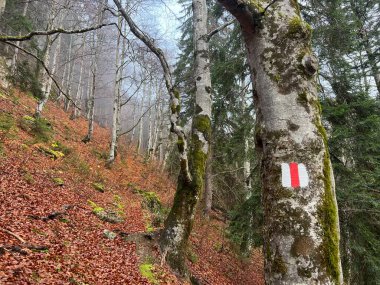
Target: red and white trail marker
pixel 294 175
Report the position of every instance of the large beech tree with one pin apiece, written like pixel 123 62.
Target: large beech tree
pixel 301 227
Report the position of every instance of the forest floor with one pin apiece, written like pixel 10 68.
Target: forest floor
pixel 67 219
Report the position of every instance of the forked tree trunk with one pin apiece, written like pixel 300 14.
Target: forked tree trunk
pixel 179 223
pixel 301 234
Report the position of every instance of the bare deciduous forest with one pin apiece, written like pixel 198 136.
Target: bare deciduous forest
pixel 189 142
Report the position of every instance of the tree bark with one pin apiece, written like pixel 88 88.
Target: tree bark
pixel 208 187
pixel 301 233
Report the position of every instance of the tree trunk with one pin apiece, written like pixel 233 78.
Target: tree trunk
pixel 91 101
pixel 139 142
pixel 208 187
pixel 301 234
pixel 2 6
pixel 44 79
pixel 78 95
pixel 69 76
pixel 179 223
pixel 116 103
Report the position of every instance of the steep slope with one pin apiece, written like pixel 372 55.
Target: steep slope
pixel 67 219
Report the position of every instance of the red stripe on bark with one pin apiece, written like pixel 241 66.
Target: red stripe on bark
pixel 294 176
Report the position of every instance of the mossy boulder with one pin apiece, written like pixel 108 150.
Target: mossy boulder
pixel 50 152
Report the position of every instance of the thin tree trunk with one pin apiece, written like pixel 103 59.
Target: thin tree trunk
pixel 45 79
pixel 179 223
pixel 141 124
pixel 88 94
pixel 116 103
pixel 150 137
pixel 78 95
pixel 301 235
pixel 208 187
pixel 91 103
pixel 133 121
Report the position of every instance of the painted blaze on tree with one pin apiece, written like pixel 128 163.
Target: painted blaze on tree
pixel 301 229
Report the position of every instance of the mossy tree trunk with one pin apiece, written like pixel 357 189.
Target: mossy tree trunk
pixel 179 223
pixel 301 229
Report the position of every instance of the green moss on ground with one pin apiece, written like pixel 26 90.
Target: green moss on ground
pixel 98 187
pixel 147 270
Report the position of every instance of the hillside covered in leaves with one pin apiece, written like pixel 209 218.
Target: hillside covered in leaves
pixel 67 219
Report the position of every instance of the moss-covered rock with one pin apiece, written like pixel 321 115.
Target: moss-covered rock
pixel 49 152
pixel 106 215
pixel 58 181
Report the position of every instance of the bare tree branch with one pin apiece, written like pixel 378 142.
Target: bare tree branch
pixel 26 37
pixel 218 29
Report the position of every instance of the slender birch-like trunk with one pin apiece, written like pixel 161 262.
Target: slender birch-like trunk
pixel 301 233
pixel 139 142
pixel 78 95
pixel 150 138
pixel 208 187
pixel 116 102
pixel 88 92
pixel 157 123
pixel 44 79
pixel 179 223
pixel 47 88
pixel 135 107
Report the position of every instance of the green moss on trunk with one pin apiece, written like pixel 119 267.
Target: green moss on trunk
pixel 328 215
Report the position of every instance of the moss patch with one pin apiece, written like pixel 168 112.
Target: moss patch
pixel 98 187
pixel 328 215
pixel 298 28
pixel 106 215
pixel 49 152
pixel 58 181
pixel 147 270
